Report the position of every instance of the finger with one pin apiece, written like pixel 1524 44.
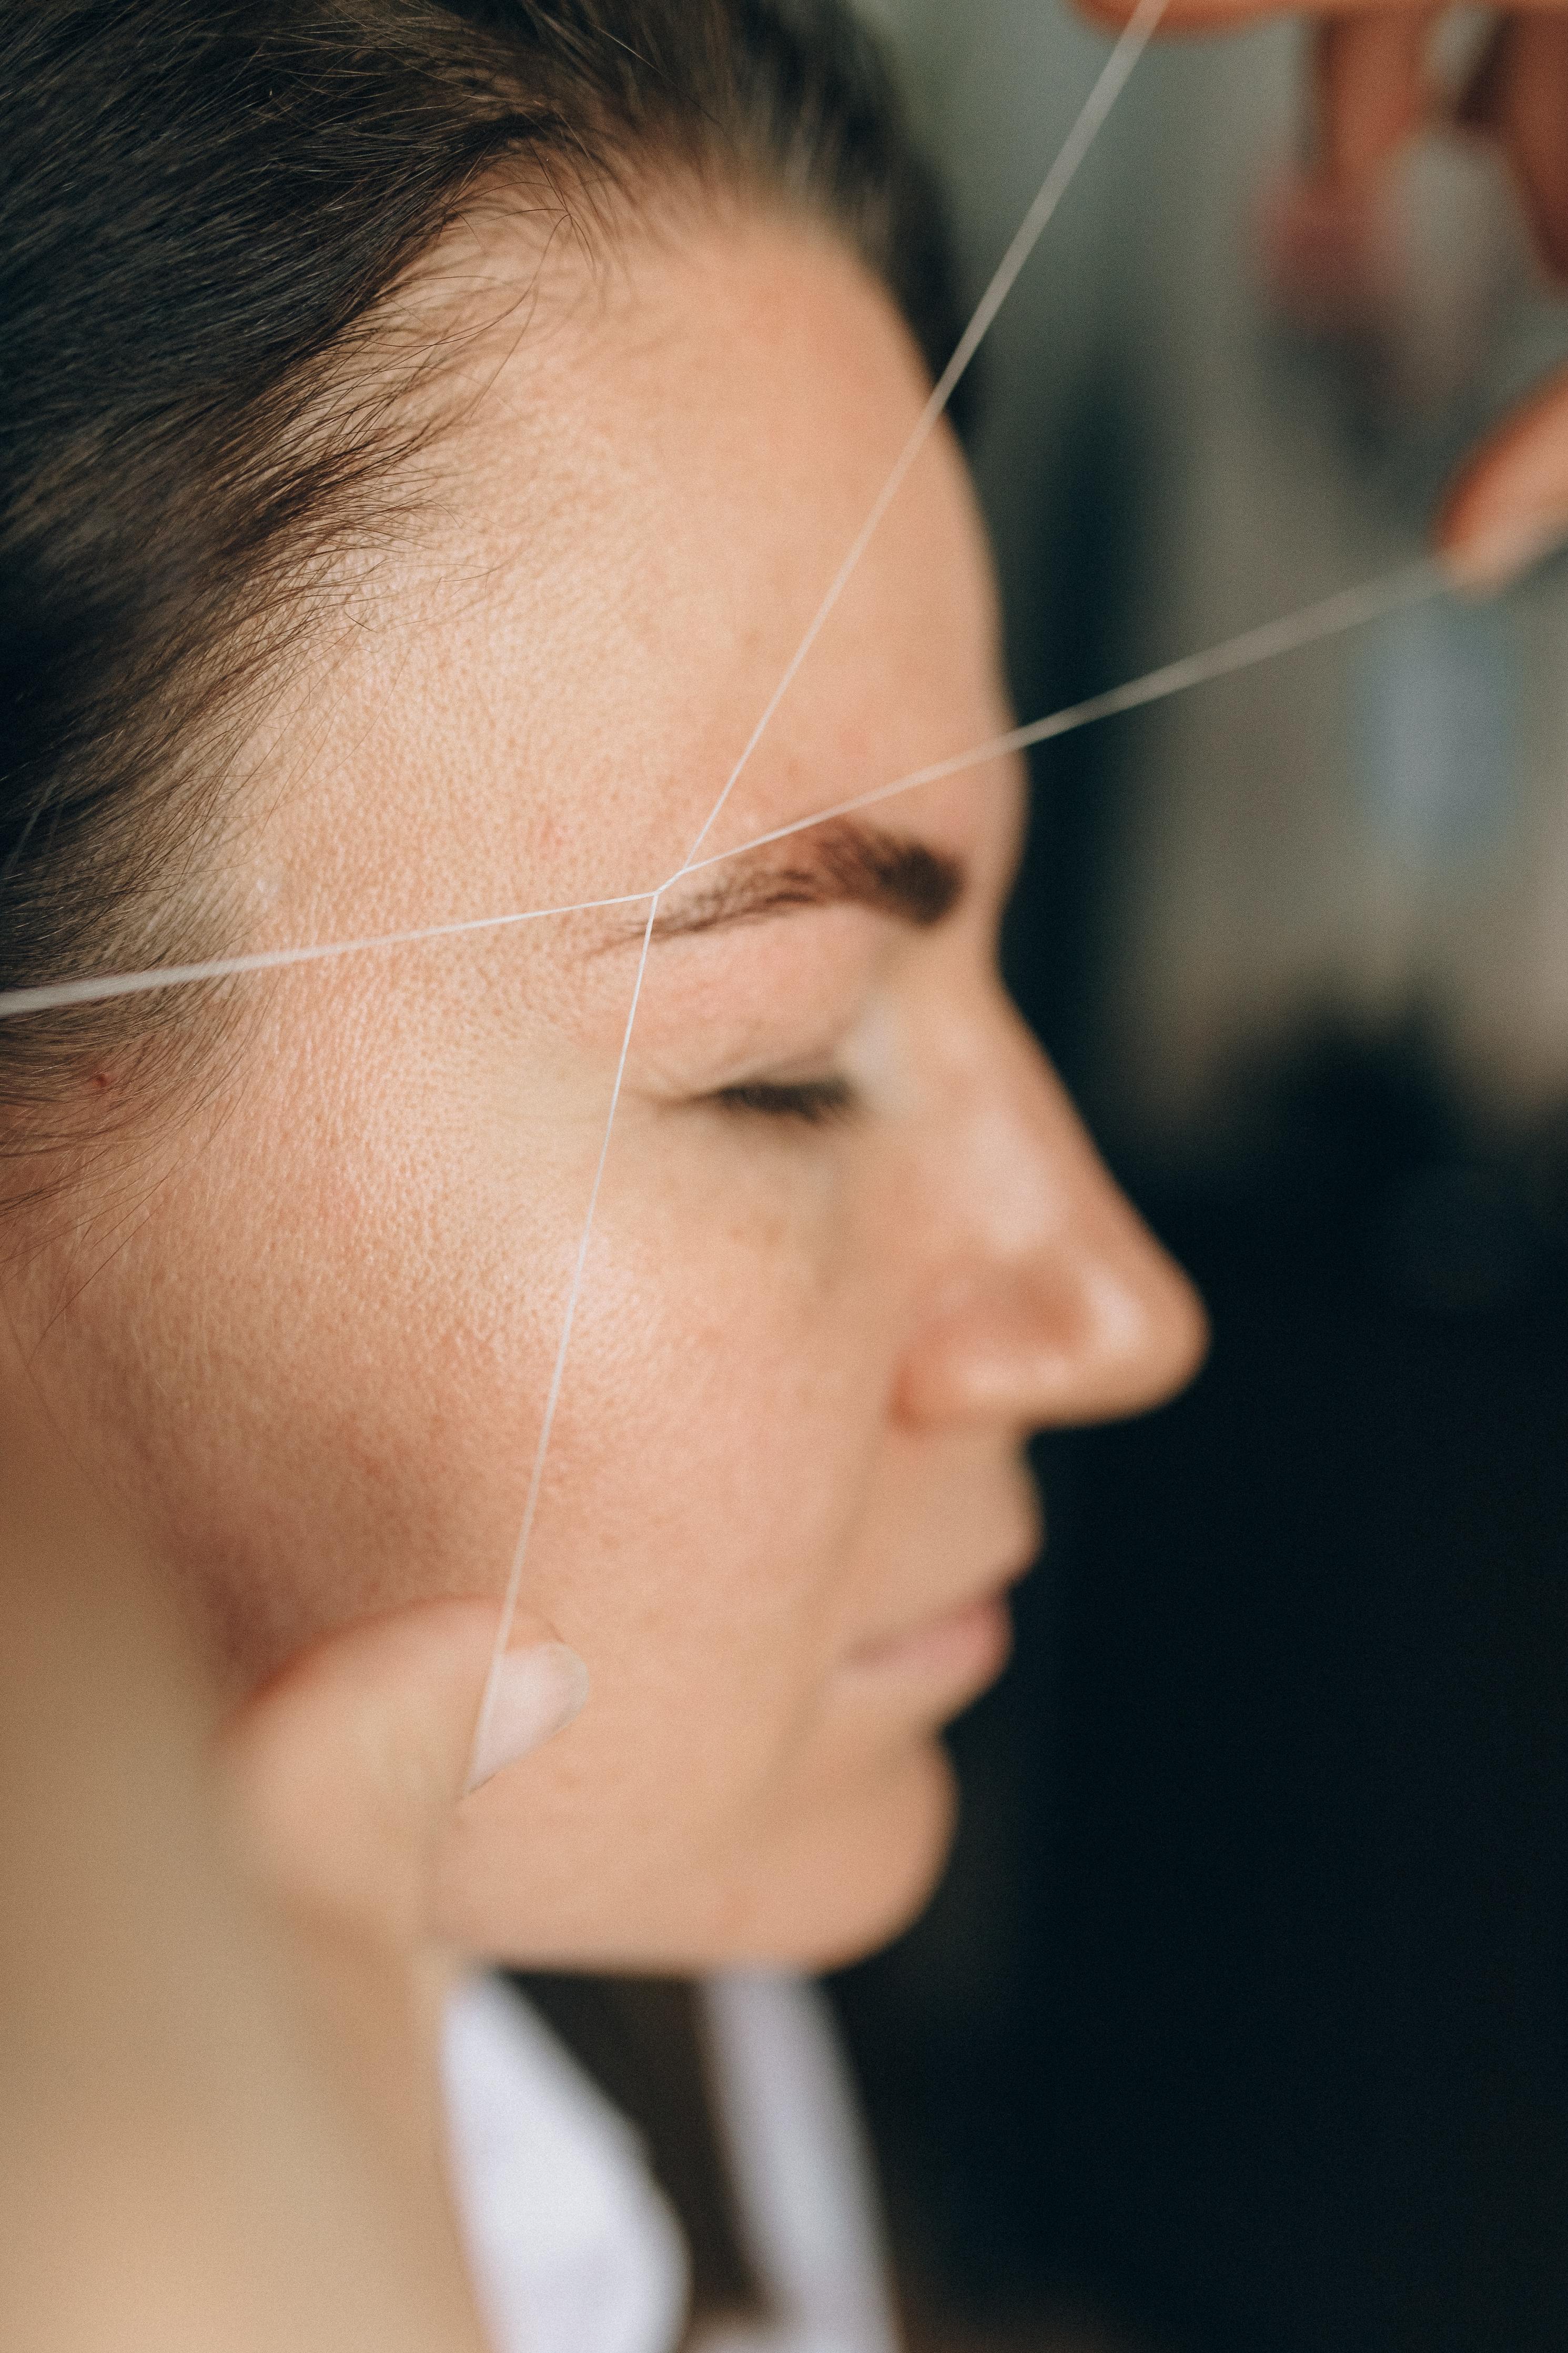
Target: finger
pixel 187 2161
pixel 1371 91
pixel 1509 506
pixel 1520 94
pixel 348 1764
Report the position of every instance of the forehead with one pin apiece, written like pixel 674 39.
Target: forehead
pixel 659 466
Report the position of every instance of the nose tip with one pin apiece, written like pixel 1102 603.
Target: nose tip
pixel 1055 1304
pixel 1126 1322
pixel 1077 1338
pixel 1069 1310
pixel 1148 1332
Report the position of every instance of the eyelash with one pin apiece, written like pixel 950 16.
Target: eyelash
pixel 810 1102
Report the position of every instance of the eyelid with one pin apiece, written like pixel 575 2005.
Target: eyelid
pixel 811 1103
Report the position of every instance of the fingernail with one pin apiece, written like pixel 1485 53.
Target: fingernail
pixel 532 1694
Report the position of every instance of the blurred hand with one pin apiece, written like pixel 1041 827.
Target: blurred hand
pixel 1374 89
pixel 344 1774
pixel 220 2114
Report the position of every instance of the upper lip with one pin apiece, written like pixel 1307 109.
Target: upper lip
pixel 989 1588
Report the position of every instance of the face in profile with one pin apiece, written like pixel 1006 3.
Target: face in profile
pixel 850 1245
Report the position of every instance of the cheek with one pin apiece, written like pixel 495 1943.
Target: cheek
pixel 316 1365
pixel 702 1525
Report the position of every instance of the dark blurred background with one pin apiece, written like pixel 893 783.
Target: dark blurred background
pixel 1241 2022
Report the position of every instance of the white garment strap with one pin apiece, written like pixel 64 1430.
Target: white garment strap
pixel 802 2170
pixel 572 2247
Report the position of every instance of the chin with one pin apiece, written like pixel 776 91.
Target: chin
pixel 846 1874
pixel 843 1887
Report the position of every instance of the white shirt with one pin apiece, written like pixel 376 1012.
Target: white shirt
pixel 574 2247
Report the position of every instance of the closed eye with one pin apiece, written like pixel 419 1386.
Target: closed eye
pixel 811 1103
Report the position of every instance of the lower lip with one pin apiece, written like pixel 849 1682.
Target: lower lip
pixel 958 1655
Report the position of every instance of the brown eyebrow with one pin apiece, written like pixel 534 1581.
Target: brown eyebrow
pixel 841 863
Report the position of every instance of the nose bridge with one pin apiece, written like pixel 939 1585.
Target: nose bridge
pixel 1059 1304
pixel 1035 1175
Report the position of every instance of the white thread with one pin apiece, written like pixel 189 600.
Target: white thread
pixel 176 976
pixel 1109 85
pixel 1350 608
pixel 1328 617
pixel 1112 80
pixel 1235 653
pixel 552 1398
pixel 1107 88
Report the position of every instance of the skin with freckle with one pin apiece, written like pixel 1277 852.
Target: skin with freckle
pixel 851 1245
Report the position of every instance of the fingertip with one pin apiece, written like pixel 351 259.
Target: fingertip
pixel 1483 562
pixel 1486 548
pixel 1508 510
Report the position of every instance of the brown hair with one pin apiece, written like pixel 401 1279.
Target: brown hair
pixel 205 209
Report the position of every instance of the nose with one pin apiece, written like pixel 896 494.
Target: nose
pixel 1050 1303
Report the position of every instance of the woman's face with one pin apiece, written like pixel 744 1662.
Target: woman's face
pixel 850 1245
